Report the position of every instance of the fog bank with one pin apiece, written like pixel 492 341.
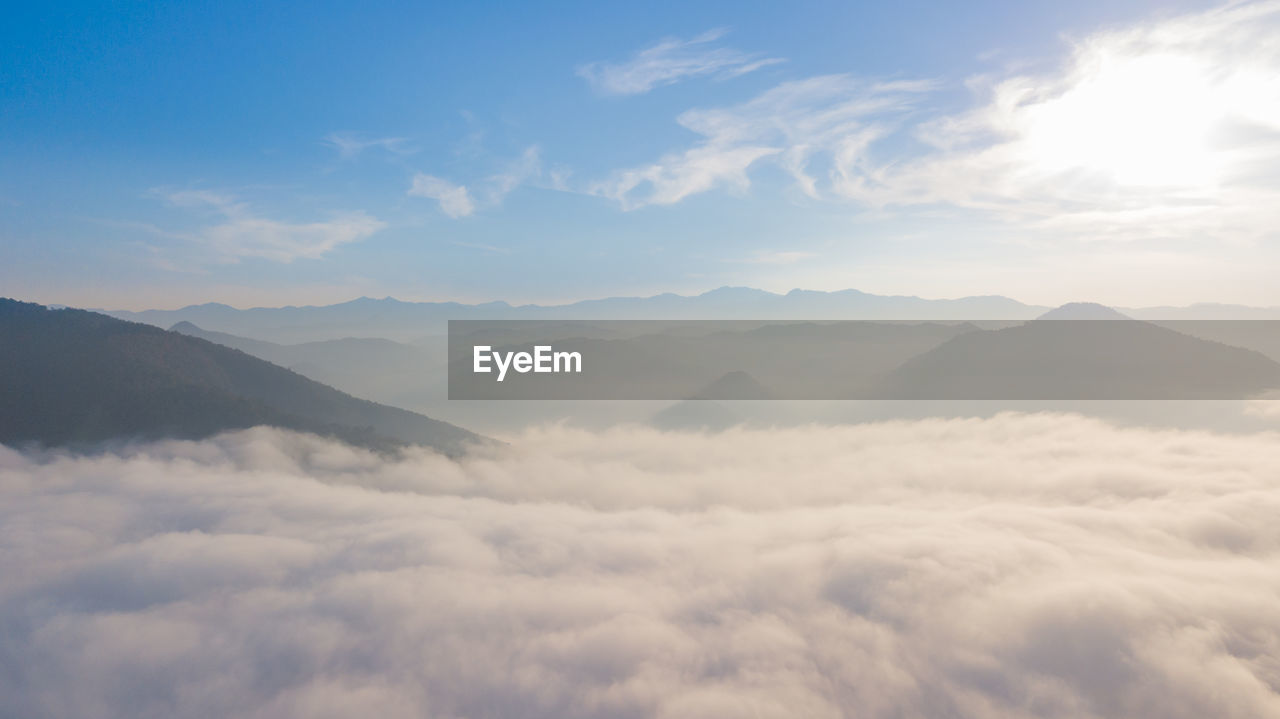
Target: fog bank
pixel 1016 566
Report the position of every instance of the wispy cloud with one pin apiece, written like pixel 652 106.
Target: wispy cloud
pixel 240 232
pixel 790 125
pixel 669 62
pixel 350 145
pixel 455 201
pixel 516 173
pixel 460 200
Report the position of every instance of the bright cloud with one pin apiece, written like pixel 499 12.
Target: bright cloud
pixel 1019 566
pixel 1169 129
pixel 669 62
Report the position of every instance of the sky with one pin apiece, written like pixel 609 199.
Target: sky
pixel 155 155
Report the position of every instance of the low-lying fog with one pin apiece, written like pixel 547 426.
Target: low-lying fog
pixel 1021 565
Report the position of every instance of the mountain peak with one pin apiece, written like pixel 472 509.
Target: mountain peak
pixel 728 291
pixel 1083 311
pixel 734 385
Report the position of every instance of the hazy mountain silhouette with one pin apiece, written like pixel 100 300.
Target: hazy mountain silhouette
pixel 734 385
pixel 258 348
pixel 1082 360
pixel 71 376
pixel 706 410
pixel 408 321
pixel 368 367
pixel 1258 335
pixel 1205 311
pixel 1083 311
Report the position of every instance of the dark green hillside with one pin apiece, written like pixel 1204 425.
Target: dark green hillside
pixel 69 376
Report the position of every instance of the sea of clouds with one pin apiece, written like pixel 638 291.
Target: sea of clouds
pixel 1016 566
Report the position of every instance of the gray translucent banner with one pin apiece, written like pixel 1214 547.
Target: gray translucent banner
pixel 772 359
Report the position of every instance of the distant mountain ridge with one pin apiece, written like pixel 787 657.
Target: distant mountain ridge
pixel 72 376
pixel 410 321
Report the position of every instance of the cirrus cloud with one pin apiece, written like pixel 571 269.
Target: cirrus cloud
pixel 671 61
pixel 240 232
pixel 351 145
pixel 790 126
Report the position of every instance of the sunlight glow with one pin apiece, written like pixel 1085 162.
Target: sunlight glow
pixel 1143 120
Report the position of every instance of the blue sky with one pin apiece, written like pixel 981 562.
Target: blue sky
pixel 157 155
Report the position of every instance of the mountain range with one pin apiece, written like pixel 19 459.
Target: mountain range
pixel 71 376
pixel 411 322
